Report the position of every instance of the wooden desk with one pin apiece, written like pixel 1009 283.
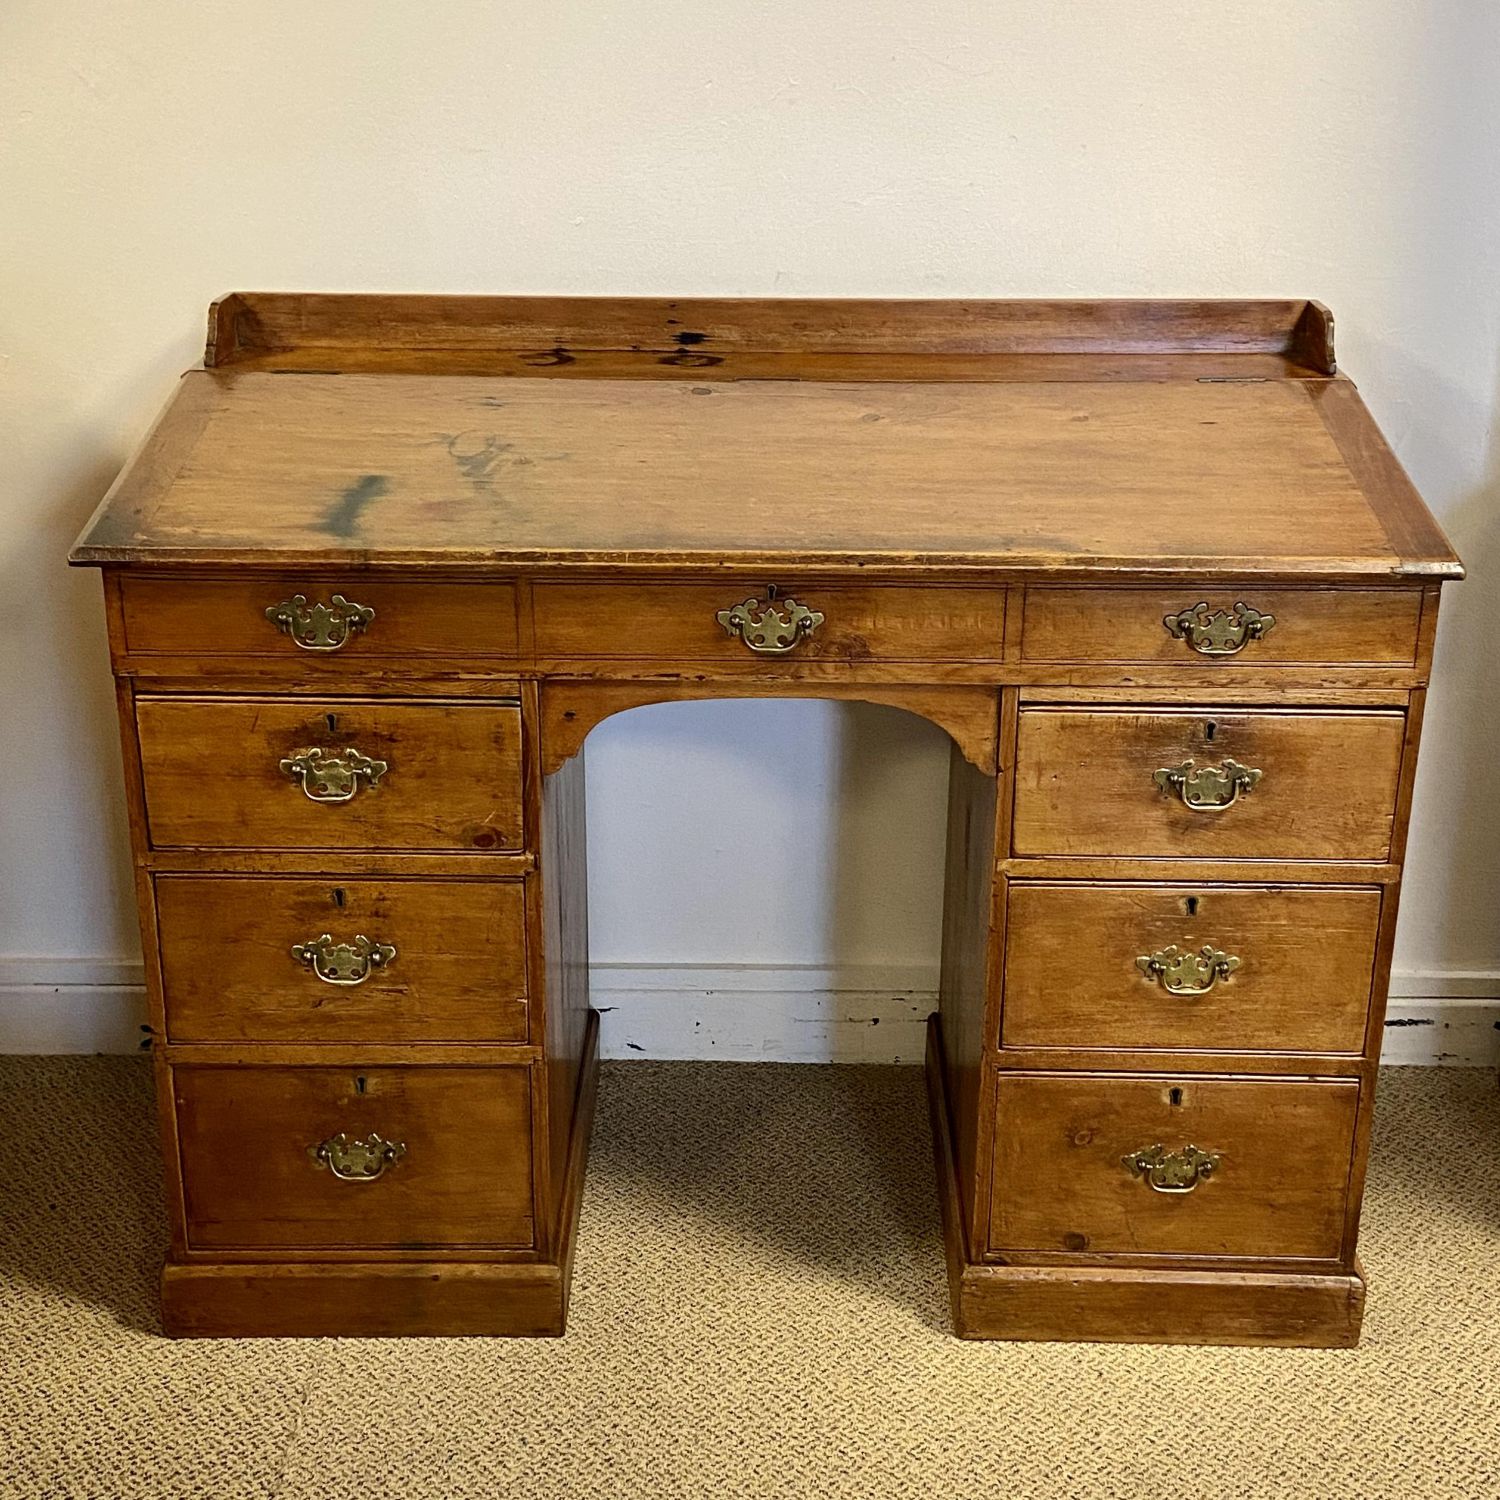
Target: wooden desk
pixel 385 562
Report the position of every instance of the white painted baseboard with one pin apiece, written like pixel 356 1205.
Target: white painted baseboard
pixel 736 1013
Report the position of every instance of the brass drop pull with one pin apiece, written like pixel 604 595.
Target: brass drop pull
pixel 1172 1171
pixel 351 1159
pixel 343 963
pixel 332 778
pixel 1220 632
pixel 1206 788
pixel 1184 972
pixel 771 628
pixel 319 627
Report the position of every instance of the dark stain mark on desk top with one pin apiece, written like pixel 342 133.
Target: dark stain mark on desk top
pixel 343 516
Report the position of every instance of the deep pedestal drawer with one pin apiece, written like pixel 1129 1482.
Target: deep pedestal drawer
pixel 1070 1169
pixel 263 1150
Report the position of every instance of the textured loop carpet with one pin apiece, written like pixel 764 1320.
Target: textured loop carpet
pixel 759 1311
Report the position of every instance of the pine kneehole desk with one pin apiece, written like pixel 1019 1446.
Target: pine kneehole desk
pixel 385 561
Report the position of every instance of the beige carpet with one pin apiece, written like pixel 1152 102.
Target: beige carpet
pixel 758 1311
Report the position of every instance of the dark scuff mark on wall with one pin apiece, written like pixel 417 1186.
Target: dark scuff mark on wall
pixel 1411 1021
pixel 343 516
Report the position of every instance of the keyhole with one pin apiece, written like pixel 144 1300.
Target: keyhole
pixel 1210 729
pixel 359 1084
pixel 338 896
pixel 1175 1095
pixel 332 720
pixel 1192 906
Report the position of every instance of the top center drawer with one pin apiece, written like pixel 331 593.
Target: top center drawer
pixel 743 624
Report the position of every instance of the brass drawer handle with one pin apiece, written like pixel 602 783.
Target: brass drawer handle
pixel 319 627
pixel 332 778
pixel 343 963
pixel 353 1160
pixel 1206 788
pixel 1184 972
pixel 1220 632
pixel 1172 1171
pixel 771 628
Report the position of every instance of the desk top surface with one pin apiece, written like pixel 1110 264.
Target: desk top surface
pixel 1084 448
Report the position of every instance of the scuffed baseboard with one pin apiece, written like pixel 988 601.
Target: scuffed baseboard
pixel 734 1013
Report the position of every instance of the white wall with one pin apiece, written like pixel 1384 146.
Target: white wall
pixel 152 157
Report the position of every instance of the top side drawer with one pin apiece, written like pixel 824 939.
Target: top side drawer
pixel 681 621
pixel 1206 783
pixel 317 618
pixel 1214 625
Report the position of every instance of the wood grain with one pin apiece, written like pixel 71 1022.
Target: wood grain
pixel 1071 977
pixel 965 984
pixel 1060 1182
pixel 213 774
pixel 1328 790
pixel 229 975
pixel 250 1181
pixel 565 970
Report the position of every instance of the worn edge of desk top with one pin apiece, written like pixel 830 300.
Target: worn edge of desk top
pixel 315 339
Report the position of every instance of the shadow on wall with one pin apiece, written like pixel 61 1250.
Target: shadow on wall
pixel 1453 868
pixel 65 800
pixel 1434 386
pixel 73 412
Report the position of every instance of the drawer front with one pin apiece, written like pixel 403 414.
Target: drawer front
pixel 251 959
pixel 680 621
pixel 1211 625
pixel 252 1174
pixel 1120 966
pixel 239 773
pixel 305 620
pixel 1076 1157
pixel 1177 783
